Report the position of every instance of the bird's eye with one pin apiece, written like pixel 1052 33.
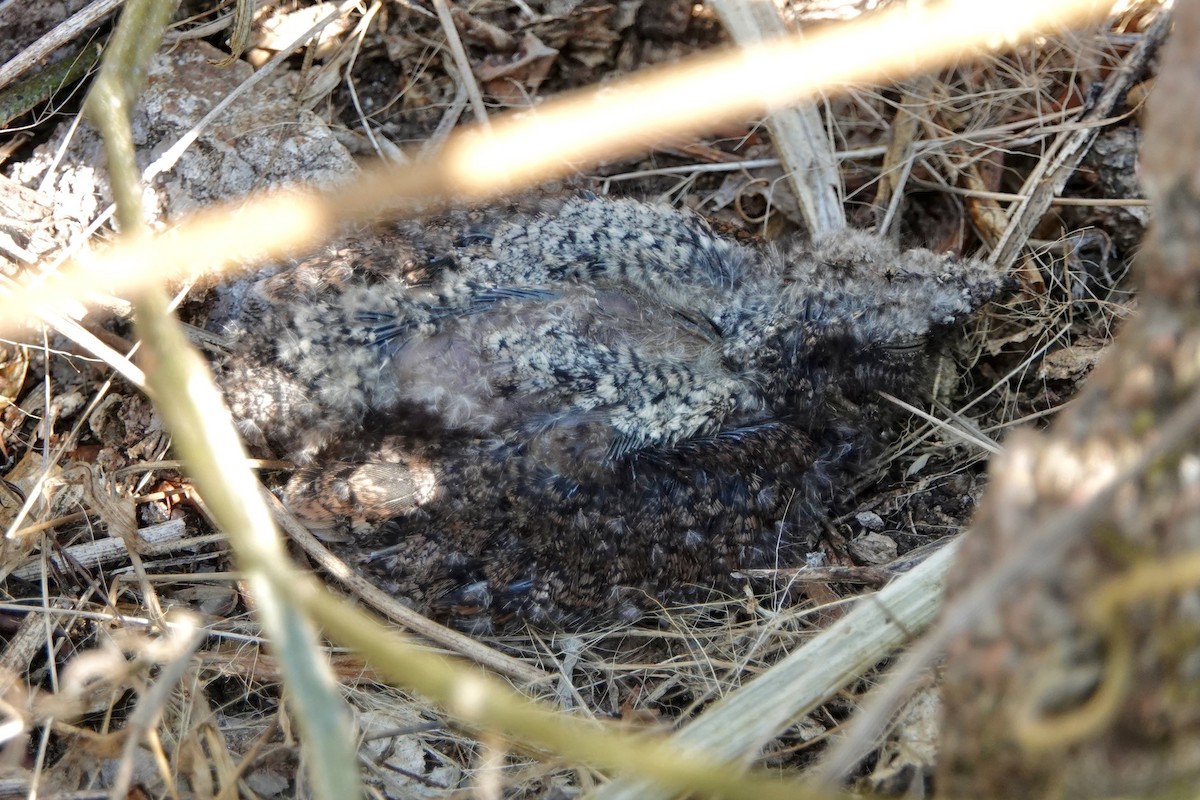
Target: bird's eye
pixel 904 346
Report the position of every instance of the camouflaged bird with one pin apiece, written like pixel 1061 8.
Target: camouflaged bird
pixel 581 412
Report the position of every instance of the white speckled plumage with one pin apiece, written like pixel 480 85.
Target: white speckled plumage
pixel 578 412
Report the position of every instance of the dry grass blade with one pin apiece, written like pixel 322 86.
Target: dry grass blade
pixel 1051 174
pixel 90 343
pixel 462 62
pixel 186 637
pixel 204 435
pixel 798 133
pixel 968 436
pixel 239 38
pixel 478 699
pixel 736 727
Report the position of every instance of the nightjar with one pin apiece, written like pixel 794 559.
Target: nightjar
pixel 583 410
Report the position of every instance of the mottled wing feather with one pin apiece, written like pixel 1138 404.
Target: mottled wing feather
pixel 586 411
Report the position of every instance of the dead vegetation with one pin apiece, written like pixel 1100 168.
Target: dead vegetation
pixel 958 159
